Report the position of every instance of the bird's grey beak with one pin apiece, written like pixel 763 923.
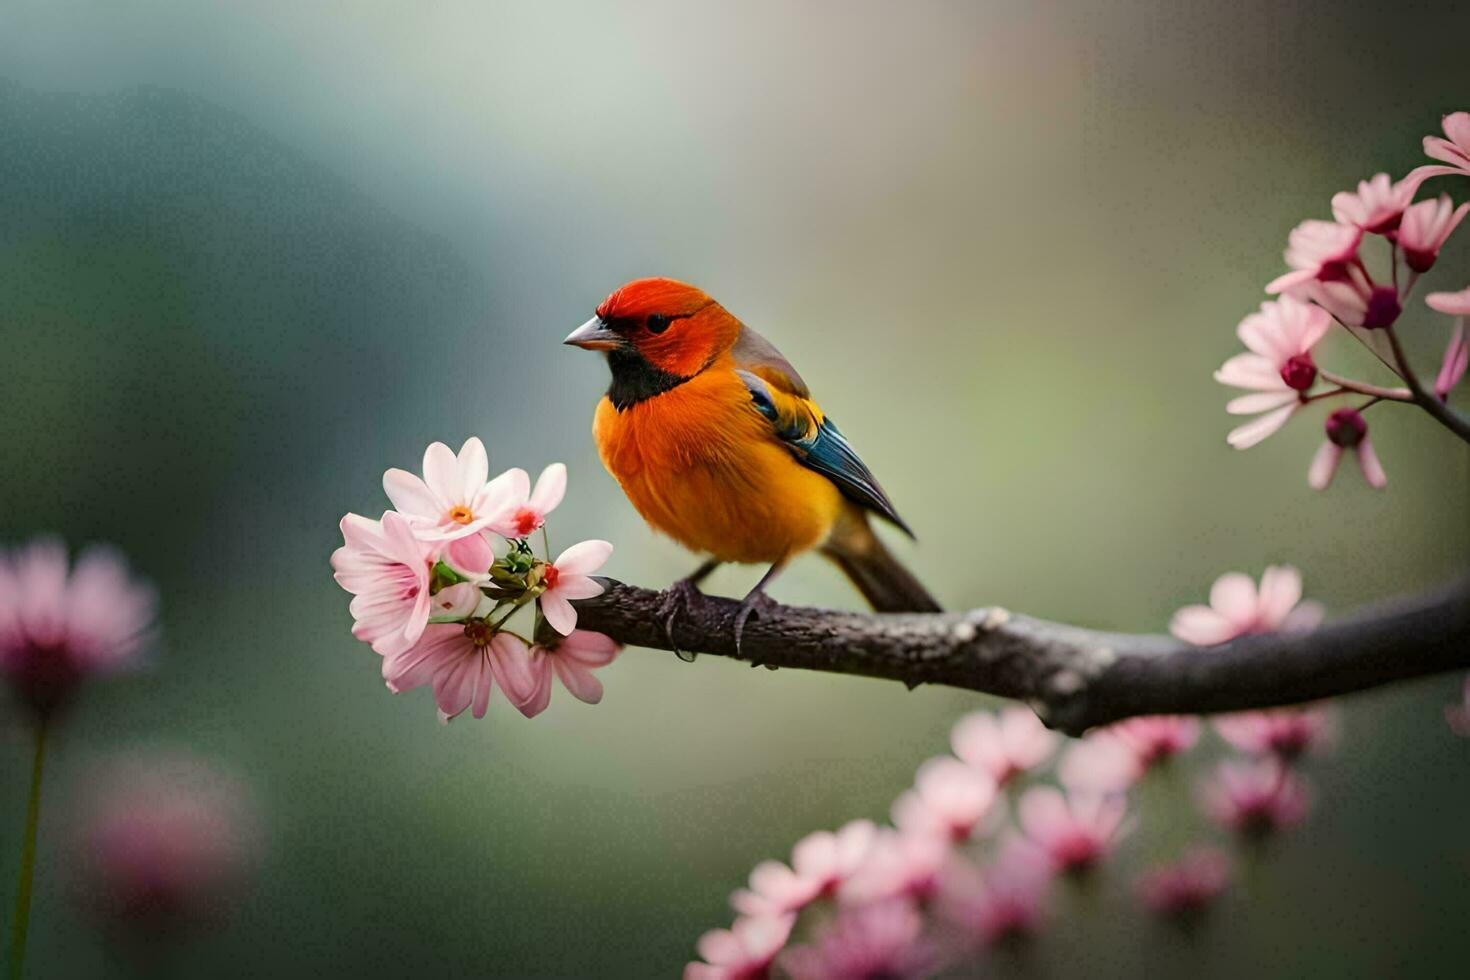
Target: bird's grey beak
pixel 594 335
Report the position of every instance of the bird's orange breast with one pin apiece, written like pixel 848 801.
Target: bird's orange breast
pixel 703 466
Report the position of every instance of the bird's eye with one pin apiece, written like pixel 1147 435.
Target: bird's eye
pixel 658 323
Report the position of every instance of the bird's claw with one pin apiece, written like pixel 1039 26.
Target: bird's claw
pixel 676 599
pixel 754 603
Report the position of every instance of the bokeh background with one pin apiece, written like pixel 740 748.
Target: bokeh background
pixel 252 254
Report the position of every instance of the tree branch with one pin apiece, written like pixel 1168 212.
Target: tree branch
pixel 1074 678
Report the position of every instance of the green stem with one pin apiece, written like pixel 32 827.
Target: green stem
pixel 21 923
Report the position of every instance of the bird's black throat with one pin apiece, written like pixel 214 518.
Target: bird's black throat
pixel 635 379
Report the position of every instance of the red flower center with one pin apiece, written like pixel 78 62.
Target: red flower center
pixel 1383 308
pixel 1299 372
pixel 526 521
pixel 1346 428
pixel 550 576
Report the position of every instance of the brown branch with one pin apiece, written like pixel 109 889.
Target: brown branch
pixel 1074 678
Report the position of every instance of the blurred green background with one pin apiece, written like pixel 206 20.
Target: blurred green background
pixel 252 254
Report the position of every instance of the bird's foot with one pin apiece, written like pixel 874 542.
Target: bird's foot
pixel 677 598
pixel 755 603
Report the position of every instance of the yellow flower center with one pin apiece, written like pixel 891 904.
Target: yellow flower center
pixel 461 514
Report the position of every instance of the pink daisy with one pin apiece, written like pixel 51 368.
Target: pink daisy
pixel 526 509
pixel 1255 799
pixel 453 499
pixel 1003 744
pixel 898 865
pixel 1075 831
pixel 820 863
pixel 1237 608
pixel 1376 207
pixel 1453 149
pixel 570 577
pixel 949 799
pixel 744 951
pixel 1187 887
pixel 572 659
pixel 884 939
pixel 1278 369
pixel 386 569
pixel 464 663
pixel 1007 902
pixel 1346 431
pixel 60 625
pixel 1426 227
pixel 1283 732
pixel 1323 251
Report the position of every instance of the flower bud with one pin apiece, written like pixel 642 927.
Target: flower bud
pixel 1346 428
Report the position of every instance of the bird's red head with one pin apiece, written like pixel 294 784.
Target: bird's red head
pixel 672 326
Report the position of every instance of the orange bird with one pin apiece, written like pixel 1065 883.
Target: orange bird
pixel 717 442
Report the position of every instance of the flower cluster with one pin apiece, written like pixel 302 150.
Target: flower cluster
pixel 988 840
pixel 1330 281
pixel 60 624
pixel 436 581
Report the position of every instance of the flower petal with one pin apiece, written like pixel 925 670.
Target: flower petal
pixel 551 487
pixel 411 496
pixel 1324 465
pixel 1255 431
pixel 558 612
pixel 577 679
pixel 584 558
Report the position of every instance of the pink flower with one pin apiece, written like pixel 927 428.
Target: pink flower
pixel 820 864
pixel 745 951
pixel 884 939
pixel 1004 744
pixel 1186 888
pixel 454 499
pixel 1346 430
pixel 1007 902
pixel 386 569
pixel 168 845
pixel 949 799
pixel 1155 738
pixel 898 864
pixel 1318 250
pixel 463 663
pixel 1075 831
pixel 58 626
pixel 1454 150
pixel 569 577
pixel 1279 367
pixel 1101 762
pixel 1237 609
pixel 1458 715
pixel 525 509
pixel 1376 207
pixel 1255 799
pixel 1456 359
pixel 572 658
pixel 1283 732
pixel 1426 227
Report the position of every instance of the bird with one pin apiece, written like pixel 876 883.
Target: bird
pixel 716 440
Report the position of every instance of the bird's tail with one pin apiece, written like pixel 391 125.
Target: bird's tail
pixel 863 558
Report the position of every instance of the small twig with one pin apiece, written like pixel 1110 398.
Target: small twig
pixel 1364 388
pixel 1427 400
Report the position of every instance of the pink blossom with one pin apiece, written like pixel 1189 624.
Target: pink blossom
pixel 463 663
pixel 570 577
pixel 571 659
pixel 1357 301
pixel 1453 149
pixel 820 864
pixel 453 499
pixel 949 799
pixel 1458 715
pixel 1006 903
pixel 1346 430
pixel 525 509
pixel 1278 369
pixel 1426 227
pixel 60 625
pixel 744 951
pixel 1154 738
pixel 1283 732
pixel 884 939
pixel 1456 359
pixel 1101 762
pixel 1003 744
pixel 1318 250
pixel 898 864
pixel 168 844
pixel 1075 831
pixel 1187 887
pixel 386 569
pixel 1237 609
pixel 1255 799
pixel 1377 205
